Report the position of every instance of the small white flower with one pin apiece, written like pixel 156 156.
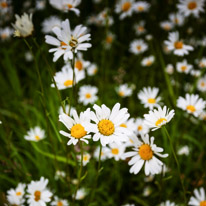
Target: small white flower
pixel 80 63
pixel 184 67
pixel 40 4
pixel 202 63
pixel 177 19
pixel 138 46
pixel 116 151
pixel 86 158
pixel 49 23
pixel 201 84
pixel 141 6
pixel 109 40
pixel 35 134
pixel 59 202
pixel 6 33
pixel 140 28
pixel 92 69
pixel 28 56
pixel 141 128
pixel 124 90
pixel 59 174
pixel 147 191
pixel 195 73
pixel 166 25
pixel 104 19
pixel 183 150
pixel 199 198
pixel 167 203
pixel 104 153
pixel 147 61
pixel 170 69
pixel 81 194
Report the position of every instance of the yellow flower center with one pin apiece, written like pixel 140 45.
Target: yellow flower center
pixel 202 84
pixel 167 27
pixel 37 195
pixel 148 63
pixel 115 151
pixel 69 6
pixel 63 44
pixel 79 65
pixel 85 158
pixel 88 95
pixel 151 101
pixel 176 20
pixel 68 83
pixel 139 128
pixel 192 5
pixel 191 108
pixel 109 39
pixel 183 68
pixel 139 47
pixel 178 45
pixel 203 203
pixel 123 125
pixel 4 5
pixel 145 152
pixel 37 138
pixel 73 42
pixel 59 203
pixel 126 6
pixel 121 93
pixel 159 121
pixel 78 131
pixel 140 28
pixel 106 127
pixel 140 8
pixel 18 193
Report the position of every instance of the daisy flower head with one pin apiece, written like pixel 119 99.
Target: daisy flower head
pixel 195 73
pixel 138 46
pixel 40 4
pixel 184 67
pixel 88 94
pixel 192 104
pixel 184 150
pixel 141 128
pixel 158 117
pixel 59 202
pixel 6 33
pixel 38 194
pixel 81 194
pixel 104 19
pixel 80 63
pixel 103 155
pixel 79 127
pixel 49 23
pixel 202 116
pixel 92 69
pixel 148 61
pixel 68 41
pixel 176 45
pixel 108 122
pixel 148 97
pixel 167 203
pixel 170 69
pixel 141 6
pixel 144 153
pixel 191 7
pixel 35 134
pixel 125 8
pixel 177 19
pixel 124 90
pixel 23 25
pixel 199 198
pixel 201 84
pixel 130 125
pixel 166 25
pixel 4 6
pixel 109 40
pixel 202 63
pixel 86 158
pixel 140 28
pixel 116 151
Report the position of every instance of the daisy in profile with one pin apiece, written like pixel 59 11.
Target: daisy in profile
pixel 167 203
pixel 166 25
pixel 183 150
pixel 6 33
pixel 192 104
pixel 158 117
pixel 176 45
pixel 199 198
pixel 144 153
pixel 170 69
pixel 141 128
pixel 125 8
pixel 86 158
pixel 59 202
pixel 141 6
pixel 49 23
pixel 64 78
pixel 88 94
pixel 202 63
pixel 138 46
pixel 92 69
pixel 79 127
pixel 177 19
pixel 35 134
pixel 109 40
pixel 81 194
pixel 191 7
pixel 107 124
pixel 202 116
pixel 148 61
pixel 124 90
pixel 184 67
pixel 148 97
pixel 140 28
pixel 201 84
pixel 67 41
pixel 116 151
pixel 38 194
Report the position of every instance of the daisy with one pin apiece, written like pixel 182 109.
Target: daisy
pixel 167 203
pixel 147 61
pixel 184 67
pixel 170 69
pixel 68 109
pixel 109 40
pixel 202 116
pixel 176 45
pixel 145 151
pixel 6 33
pixel 40 4
pixel 141 128
pixel 177 19
pixel 86 158
pixel 202 63
pixel 125 8
pixel 35 134
pixel 23 25
pixel 64 78
pixel 166 25
pixel 80 63
pixel 5 6
pixel 147 191
pixel 148 97
pixel 59 174
pixel 195 73
pixel 140 28
pixel 199 198
pixel 88 94
pixel 67 41
pixel 107 124
pixel 201 84
pixel 28 56
pixel 78 126
pixel 192 104
pixel 188 7
pixel 116 151
pixel 81 194
pixel 141 6
pixel 138 46
pixel 92 69
pixel 104 19
pixel 184 150
pixel 49 23
pixel 104 153
pixel 158 117
pixel 124 90
pixel 130 125
pixel 38 194
pixel 59 202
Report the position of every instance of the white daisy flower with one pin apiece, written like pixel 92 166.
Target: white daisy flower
pixel 88 94
pixel 148 97
pixel 147 61
pixel 6 33
pixel 188 7
pixel 124 90
pixel 81 194
pixel 64 78
pixel 116 151
pixel 68 109
pixel 130 125
pixel 192 104
pixel 138 46
pixel 170 69
pixel 23 25
pixel 40 4
pixel 141 6
pixel 28 56
pixel 125 8
pixel 109 40
pixel 202 116
pixel 201 84
pixel 140 28
pixel 38 194
pixel 183 150
pixel 176 45
pixel 145 151
pixel 49 23
pixel 35 134
pixel 166 25
pixel 177 19
pixel 104 19
pixel 202 63
pixel 147 191
pixel 167 203
pixel 184 67
pixel 80 63
pixel 67 41
pixel 86 158
pixel 158 117
pixel 59 174
pixel 199 198
pixel 141 128
pixel 107 124
pixel 195 73
pixel 92 69
pixel 59 202
pixel 79 126
pixel 4 6
pixel 104 153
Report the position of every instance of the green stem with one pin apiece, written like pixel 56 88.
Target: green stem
pixel 73 82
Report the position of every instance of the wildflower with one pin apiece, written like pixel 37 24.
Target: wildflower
pixel 202 63
pixel 183 150
pixel 147 61
pixel 28 56
pixel 202 115
pixel 176 19
pixel 138 46
pixel 108 122
pixel 167 203
pixel 40 4
pixel 38 194
pixel 176 45
pixel 104 19
pixel 158 117
pixel 145 151
pixel 80 64
pixel 59 174
pixel 49 23
pixel 92 69
pixel 86 158
pixel 192 104
pixel 148 97
pixel 68 110
pixel 141 6
pixel 166 25
pixel 201 84
pixel 140 28
pixel 195 73
pixel 35 134
pixel 124 90
pixel 130 125
pixel 5 6
pixel 184 67
pixel 79 126
pixel 59 202
pixel 170 69
pixel 147 191
pixel 141 128
pixel 67 41
pixel 103 155
pixel 23 25
pixel 198 198
pixel 109 40
pixel 6 33
pixel 87 94
pixel 81 194
pixel 116 151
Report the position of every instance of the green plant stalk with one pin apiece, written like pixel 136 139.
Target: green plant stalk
pixel 73 82
pixel 177 162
